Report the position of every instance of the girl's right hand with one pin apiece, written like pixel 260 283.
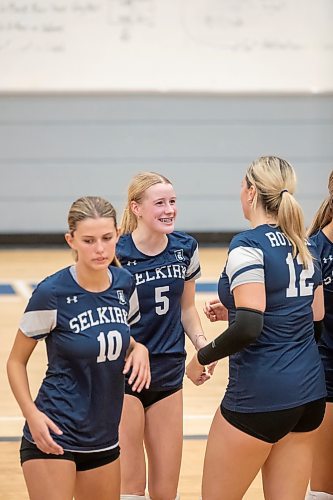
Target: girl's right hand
pixel 40 426
pixel 196 372
pixel 215 310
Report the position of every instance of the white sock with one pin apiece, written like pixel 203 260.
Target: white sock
pixel 177 497
pixel 318 495
pixel 132 497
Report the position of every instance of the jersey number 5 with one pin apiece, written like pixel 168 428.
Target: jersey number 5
pixel 161 299
pixel 113 350
pixel 304 289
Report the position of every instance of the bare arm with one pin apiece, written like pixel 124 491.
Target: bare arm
pixel 17 372
pixel 192 326
pixel 318 306
pixel 39 423
pixel 250 295
pixel 190 318
pixel 318 309
pixel 137 359
pixel 250 299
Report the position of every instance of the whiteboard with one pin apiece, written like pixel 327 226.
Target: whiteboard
pixel 282 46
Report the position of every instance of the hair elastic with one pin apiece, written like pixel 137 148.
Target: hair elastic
pixel 284 191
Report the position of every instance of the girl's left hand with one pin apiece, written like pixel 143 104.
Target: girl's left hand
pixel 196 372
pixel 138 359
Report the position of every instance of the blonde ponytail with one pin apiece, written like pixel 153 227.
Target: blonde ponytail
pixel 128 221
pixel 324 214
pixel 275 182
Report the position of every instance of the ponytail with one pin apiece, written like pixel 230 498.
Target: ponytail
pixel 128 221
pixel 324 214
pixel 275 182
pixel 291 221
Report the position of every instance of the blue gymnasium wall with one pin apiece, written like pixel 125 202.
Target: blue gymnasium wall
pixel 54 148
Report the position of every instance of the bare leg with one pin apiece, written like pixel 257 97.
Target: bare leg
pixel 51 479
pixel 232 461
pixel 102 483
pixel 287 470
pixel 164 443
pixel 132 458
pixel 322 476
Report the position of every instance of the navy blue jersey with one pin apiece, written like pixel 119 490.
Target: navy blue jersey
pixel 86 335
pixel 160 283
pixel 282 369
pixel 325 250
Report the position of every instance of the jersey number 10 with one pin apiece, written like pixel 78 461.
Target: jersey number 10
pixel 113 350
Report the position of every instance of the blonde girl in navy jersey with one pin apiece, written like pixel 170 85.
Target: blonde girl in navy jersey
pixel 321 232
pixel 275 399
pixel 165 265
pixel 70 444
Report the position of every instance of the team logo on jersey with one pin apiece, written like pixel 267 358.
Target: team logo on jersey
pixel 131 263
pixel 72 299
pixel 121 297
pixel 179 255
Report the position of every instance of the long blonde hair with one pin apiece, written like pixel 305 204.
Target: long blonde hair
pixel 136 190
pixel 275 183
pixel 324 214
pixel 90 207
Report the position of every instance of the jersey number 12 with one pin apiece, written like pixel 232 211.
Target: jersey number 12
pixel 304 289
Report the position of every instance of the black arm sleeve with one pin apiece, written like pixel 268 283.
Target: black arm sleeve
pixel 318 328
pixel 242 332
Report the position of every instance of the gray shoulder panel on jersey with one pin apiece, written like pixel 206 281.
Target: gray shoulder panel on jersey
pixel 245 265
pixel 194 266
pixel 134 311
pixel 38 323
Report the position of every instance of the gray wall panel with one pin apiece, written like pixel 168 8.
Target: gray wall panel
pixel 56 148
pixel 162 142
pixel 69 108
pixel 202 179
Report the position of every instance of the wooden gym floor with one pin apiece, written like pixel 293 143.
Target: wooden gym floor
pixel 19 270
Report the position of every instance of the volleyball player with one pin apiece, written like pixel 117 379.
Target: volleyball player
pixel 165 265
pixel 275 398
pixel 70 443
pixel 321 232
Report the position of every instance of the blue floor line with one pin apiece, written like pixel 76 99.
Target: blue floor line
pixel 6 289
pixel 202 287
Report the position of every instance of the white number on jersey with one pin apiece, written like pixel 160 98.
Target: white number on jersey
pixel 113 350
pixel 161 299
pixel 304 289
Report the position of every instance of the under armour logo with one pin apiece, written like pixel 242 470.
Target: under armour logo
pixel 131 262
pixel 72 299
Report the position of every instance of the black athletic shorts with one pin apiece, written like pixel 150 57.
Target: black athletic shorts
pixel 83 461
pixel 149 396
pixel 271 426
